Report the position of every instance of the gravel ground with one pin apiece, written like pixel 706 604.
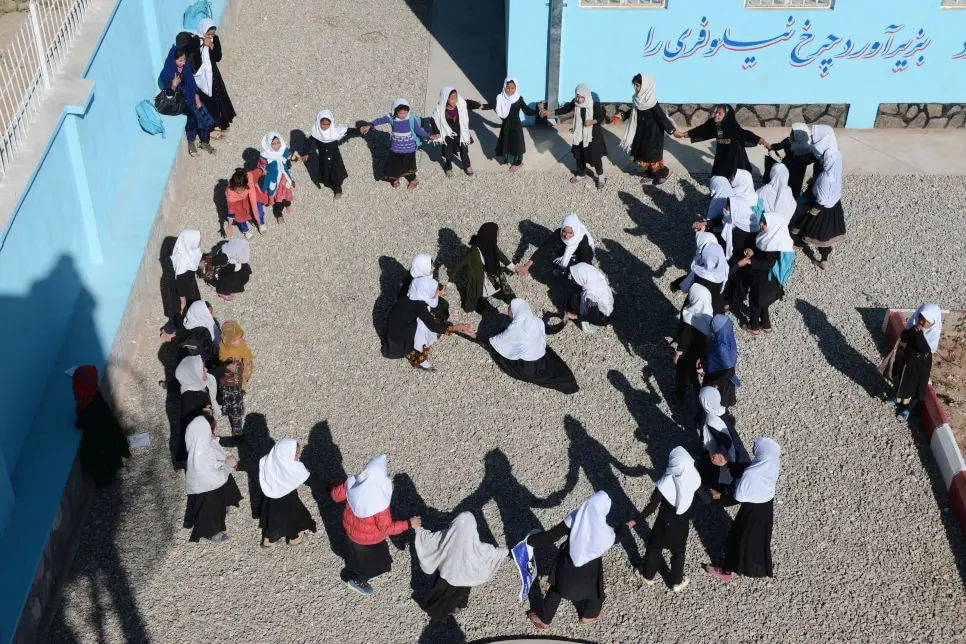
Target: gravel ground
pixel 861 549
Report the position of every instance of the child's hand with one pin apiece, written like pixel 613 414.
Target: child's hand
pixel 304 158
pixel 616 118
pixel 175 82
pixel 232 462
pixel 434 137
pixel 365 129
pixel 588 123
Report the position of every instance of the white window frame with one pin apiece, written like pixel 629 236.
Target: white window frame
pixel 584 4
pixel 946 4
pixel 785 7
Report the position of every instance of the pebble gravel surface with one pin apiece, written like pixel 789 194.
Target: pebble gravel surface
pixel 862 549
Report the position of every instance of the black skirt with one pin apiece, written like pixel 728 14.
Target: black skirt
pixel 211 508
pixel 827 228
pixel 444 599
pixel 765 291
pixel 284 518
pixel 231 281
pixel 332 170
pixel 670 531
pixel 717 294
pixel 219 103
pixel 550 371
pixel 592 154
pixel 748 551
pixel 368 561
pixel 400 165
pixel 911 370
pixel 577 584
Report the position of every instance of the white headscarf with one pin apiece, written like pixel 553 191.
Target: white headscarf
pixel 457 552
pixel 644 99
pixel 801 139
pixel 334 133
pixel 421 266
pixel 757 484
pixel 710 262
pixel 424 289
pixel 710 399
pixel 583 135
pixel 198 315
pixel 740 216
pixel 439 116
pixel 680 481
pixel 779 208
pixel 190 375
pixel 204 77
pixel 744 187
pixel 396 104
pixel 595 288
pixel 721 191
pixel 525 338
pixel 369 492
pixel 933 314
pixel 823 140
pixel 187 251
pixel 207 468
pixel 238 251
pixel 271 156
pixel 590 536
pixel 503 102
pixel 828 185
pixel 572 222
pixel 278 471
pixel 698 311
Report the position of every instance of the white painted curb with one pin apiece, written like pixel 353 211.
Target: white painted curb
pixel 946 453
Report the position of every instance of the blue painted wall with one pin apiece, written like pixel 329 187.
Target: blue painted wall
pixel 861 52
pixel 69 255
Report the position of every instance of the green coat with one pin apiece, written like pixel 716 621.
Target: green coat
pixel 472 267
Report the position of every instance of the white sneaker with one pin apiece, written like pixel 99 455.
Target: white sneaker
pixel 248 235
pixel 649 582
pixel 679 587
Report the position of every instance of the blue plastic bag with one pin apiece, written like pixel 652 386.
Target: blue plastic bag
pixel 149 118
pixel 194 14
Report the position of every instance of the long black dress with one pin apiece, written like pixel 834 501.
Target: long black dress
pixel 652 123
pixel 284 517
pixel 748 548
pixel 550 371
pixel 211 508
pixel 825 229
pixel 670 532
pixel 219 103
pixel 186 286
pixel 331 168
pixel 584 585
pixel 511 141
pixel 730 143
pixel 692 345
pixel 797 164
pixel 400 334
pixel 593 154
pixel 228 279
pixel 103 445
pixel 592 316
pixel 912 368
pixel 445 599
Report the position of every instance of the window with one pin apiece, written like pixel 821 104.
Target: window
pixel 954 4
pixel 790 4
pixel 630 4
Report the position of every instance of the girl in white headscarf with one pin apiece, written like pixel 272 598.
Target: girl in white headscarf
pixel 185 259
pixel 591 301
pixel 367 523
pixel 748 549
pixel 692 340
pixel 208 479
pixel 198 393
pixel 587 142
pixel 570 244
pixel 509 103
pixel 719 436
pixel 823 223
pixel 451 120
pixel 205 52
pixel 578 571
pixel 674 494
pixel 227 268
pixel 644 133
pixel 275 162
pixel 721 191
pixel 913 357
pixel 709 268
pixel 281 513
pixel 200 317
pixel 798 156
pixel 406 136
pixel 521 351
pixel 326 138
pixel 458 561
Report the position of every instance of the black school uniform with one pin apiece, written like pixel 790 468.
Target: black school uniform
pixel 284 518
pixel 399 337
pixel 584 585
pixel 592 316
pixel 648 145
pixel 825 229
pixel 711 474
pixel 451 144
pixel 592 155
pixel 445 599
pixel 211 509
pixel 228 279
pixel 331 168
pixel 511 142
pixel 219 104
pixel 692 345
pixel 550 371
pixel 748 548
pixel 554 247
pixel 797 164
pixel 730 142
pixel 765 289
pixel 186 285
pixel 912 368
pixel 670 532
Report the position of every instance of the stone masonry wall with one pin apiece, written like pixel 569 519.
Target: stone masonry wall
pixel 916 115
pixel 691 114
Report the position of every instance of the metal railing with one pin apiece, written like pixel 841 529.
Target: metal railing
pixel 28 61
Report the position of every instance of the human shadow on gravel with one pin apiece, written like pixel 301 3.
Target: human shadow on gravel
pixel 391 276
pixel 407 502
pixel 378 143
pixel 255 443
pixel 250 157
pixel 170 301
pixel 447 631
pixel 450 250
pixel 668 226
pixel 323 459
pixel 839 353
pixel 221 206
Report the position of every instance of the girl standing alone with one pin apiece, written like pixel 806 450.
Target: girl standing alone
pixel 913 362
pixel 511 144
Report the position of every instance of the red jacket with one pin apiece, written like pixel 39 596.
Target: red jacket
pixel 371 530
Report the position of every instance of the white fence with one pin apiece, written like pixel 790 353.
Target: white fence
pixel 28 62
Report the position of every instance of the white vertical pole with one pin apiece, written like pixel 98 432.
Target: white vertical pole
pixel 38 39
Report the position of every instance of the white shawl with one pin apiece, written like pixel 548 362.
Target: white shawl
pixel 369 492
pixel 779 208
pixel 933 314
pixel 709 263
pixel 739 215
pixel 334 133
pixel 424 289
pixel 801 139
pixel 278 471
pixel 421 266
pixel 721 191
pixel 439 116
pixel 583 135
pixel 272 156
pixel 504 102
pixel 757 484
pixel 191 376
pixel 595 288
pixel 744 187
pixel 238 251
pixel 525 338
pixel 699 310
pixel 644 99
pixel 187 251
pixel 828 185
pixel 823 140
pixel 198 315
pixel 710 400
pixel 572 222
pixel 458 554
pixel 205 77
pixel 590 536
pixel 207 467
pixel 680 481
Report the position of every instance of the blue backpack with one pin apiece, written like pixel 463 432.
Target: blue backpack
pixel 194 14
pixel 149 118
pixel 782 270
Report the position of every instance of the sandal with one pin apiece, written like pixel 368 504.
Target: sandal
pixel 394 184
pixel 536 621
pixel 268 544
pixel 584 621
pixel 297 540
pixel 413 184
pixel 768 330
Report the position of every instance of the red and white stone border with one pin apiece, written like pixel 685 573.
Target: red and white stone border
pixel 934 425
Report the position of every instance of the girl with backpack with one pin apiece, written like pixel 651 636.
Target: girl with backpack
pixel 407 136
